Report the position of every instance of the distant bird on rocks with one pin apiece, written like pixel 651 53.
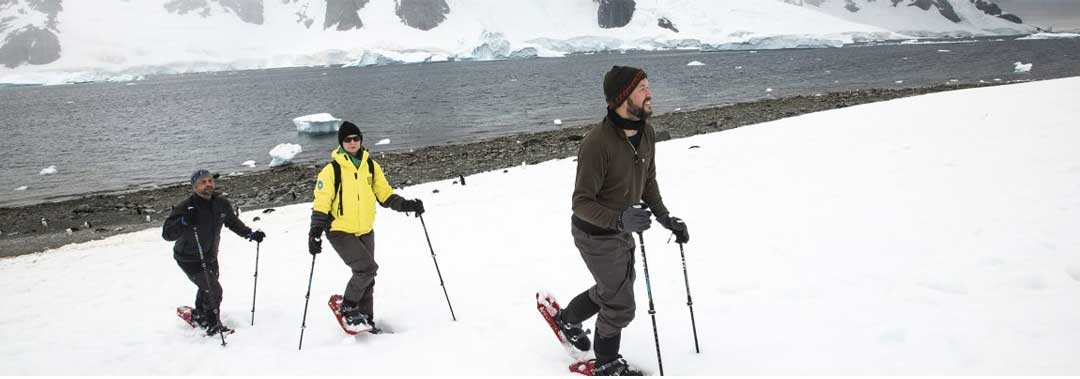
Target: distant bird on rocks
pixel 147 218
pixel 462 179
pixel 268 210
pixel 44 223
pixel 68 231
pixel 86 224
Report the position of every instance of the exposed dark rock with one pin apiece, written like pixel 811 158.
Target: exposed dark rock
pixel 344 14
pixel 615 13
pixel 422 14
pixel 1013 18
pixel 30 45
pixel 851 7
pixel 663 22
pixel 249 11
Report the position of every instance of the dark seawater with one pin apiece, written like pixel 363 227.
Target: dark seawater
pixel 117 136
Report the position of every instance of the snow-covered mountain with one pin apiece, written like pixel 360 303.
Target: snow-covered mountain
pixel 923 17
pixel 57 41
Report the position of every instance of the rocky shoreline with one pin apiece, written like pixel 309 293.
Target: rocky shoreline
pixel 102 215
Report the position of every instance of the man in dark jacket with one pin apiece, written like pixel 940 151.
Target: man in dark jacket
pixel 616 171
pixel 204 212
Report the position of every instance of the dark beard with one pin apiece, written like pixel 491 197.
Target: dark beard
pixel 638 112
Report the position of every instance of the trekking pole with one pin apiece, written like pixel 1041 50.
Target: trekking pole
pixel 255 288
pixel 689 301
pixel 209 293
pixel 652 309
pixel 307 298
pixel 437 267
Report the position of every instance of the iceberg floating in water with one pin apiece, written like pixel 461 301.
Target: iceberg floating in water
pixel 1020 67
pixel 21 188
pixel 319 123
pixel 695 63
pixel 248 164
pixel 284 153
pixel 384 141
pixel 48 170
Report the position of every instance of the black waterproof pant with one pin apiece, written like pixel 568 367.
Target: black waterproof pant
pixel 207 299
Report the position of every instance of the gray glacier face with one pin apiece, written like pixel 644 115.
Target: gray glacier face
pixel 422 14
pixel 345 14
pixel 32 44
pixel 250 11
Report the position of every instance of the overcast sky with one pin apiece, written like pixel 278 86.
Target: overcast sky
pixel 1059 14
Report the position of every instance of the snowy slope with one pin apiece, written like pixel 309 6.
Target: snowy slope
pixel 125 40
pixel 875 239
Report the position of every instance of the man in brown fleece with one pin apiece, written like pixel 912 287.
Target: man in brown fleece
pixel 616 171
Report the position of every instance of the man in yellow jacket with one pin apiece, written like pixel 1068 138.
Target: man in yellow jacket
pixel 344 207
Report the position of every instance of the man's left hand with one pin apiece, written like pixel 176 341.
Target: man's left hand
pixel 675 225
pixel 256 236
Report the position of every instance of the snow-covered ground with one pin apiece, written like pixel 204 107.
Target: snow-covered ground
pixel 926 235
pixel 127 40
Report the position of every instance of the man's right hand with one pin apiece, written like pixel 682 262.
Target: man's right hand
pixel 635 220
pixel 189 217
pixel 315 240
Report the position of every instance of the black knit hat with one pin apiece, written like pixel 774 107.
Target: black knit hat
pixel 620 82
pixel 348 129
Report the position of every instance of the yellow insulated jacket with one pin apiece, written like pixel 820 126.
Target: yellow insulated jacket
pixel 353 210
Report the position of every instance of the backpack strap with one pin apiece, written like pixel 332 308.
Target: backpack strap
pixel 337 187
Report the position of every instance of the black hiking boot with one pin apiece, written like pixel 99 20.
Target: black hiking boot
pixel 574 334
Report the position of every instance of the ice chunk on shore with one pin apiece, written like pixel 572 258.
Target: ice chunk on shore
pixel 248 164
pixel 284 153
pixel 384 141
pixel 695 63
pixel 558 122
pixel 1020 67
pixel 48 170
pixel 319 123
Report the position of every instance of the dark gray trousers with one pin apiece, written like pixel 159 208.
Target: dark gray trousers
pixel 610 259
pixel 207 299
pixel 359 254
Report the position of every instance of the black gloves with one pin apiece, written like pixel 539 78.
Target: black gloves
pixel 414 205
pixel 315 240
pixel 399 204
pixel 634 220
pixel 256 236
pixel 675 225
pixel 189 217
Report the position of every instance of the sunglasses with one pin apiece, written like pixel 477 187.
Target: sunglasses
pixel 352 139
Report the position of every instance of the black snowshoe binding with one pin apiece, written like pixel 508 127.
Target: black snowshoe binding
pixel 354 319
pixel 618 367
pixel 574 334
